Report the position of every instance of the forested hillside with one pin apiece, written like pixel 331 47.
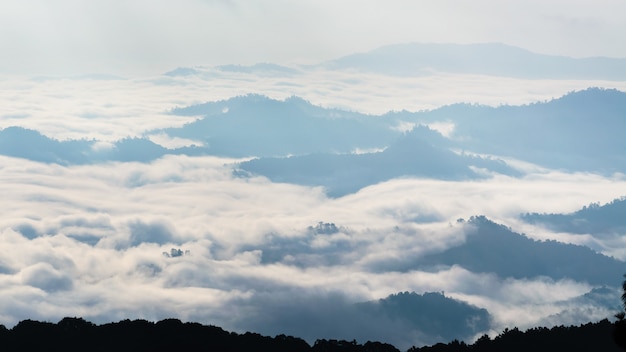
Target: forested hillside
pixel 77 334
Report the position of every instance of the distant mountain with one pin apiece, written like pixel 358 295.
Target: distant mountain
pixel 404 319
pixel 345 151
pixel 598 220
pixel 422 152
pixel 433 314
pixel 488 248
pixel 602 296
pixel 489 59
pixel 578 132
pixel 600 302
pixel 255 125
pixel 581 131
pixel 29 144
pixel 605 297
pixel 493 248
pixel 182 71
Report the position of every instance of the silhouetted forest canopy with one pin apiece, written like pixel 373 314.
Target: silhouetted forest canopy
pixel 587 337
pixel 77 334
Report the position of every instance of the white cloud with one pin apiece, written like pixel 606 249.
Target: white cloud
pixel 108 110
pixel 173 142
pixel 92 236
pixel 226 222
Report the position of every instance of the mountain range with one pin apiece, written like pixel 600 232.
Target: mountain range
pixel 296 142
pixel 493 59
pixel 423 59
pixel 488 247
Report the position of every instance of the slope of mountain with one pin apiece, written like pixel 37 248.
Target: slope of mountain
pixel 596 219
pixel 181 72
pixel 600 302
pixel 488 248
pixel 28 144
pixel 488 59
pixel 432 313
pixel 255 125
pixel 422 152
pixel 493 248
pixel 581 131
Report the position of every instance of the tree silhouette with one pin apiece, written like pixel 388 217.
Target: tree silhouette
pixel 619 333
pixel 76 334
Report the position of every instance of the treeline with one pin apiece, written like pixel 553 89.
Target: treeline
pixel 588 337
pixel 77 334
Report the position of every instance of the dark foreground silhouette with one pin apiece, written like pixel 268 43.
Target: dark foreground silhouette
pixel 588 337
pixel 76 334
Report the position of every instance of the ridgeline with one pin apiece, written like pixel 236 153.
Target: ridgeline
pixel 77 334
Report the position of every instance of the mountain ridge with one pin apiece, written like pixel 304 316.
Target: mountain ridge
pixel 495 59
pixel 578 132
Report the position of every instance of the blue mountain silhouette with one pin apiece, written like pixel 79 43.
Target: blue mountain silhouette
pixel 488 58
pixel 600 220
pixel 255 125
pixel 421 152
pixel 581 131
pixel 431 313
pixel 494 248
pixel 29 144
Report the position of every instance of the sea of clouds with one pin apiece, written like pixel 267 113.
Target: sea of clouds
pixel 102 241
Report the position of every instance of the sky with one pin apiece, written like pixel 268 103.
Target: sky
pixel 137 211
pixel 73 37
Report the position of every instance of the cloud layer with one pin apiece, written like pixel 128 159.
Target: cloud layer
pixel 112 109
pixel 90 240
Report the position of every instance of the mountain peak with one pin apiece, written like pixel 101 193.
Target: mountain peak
pixel 493 59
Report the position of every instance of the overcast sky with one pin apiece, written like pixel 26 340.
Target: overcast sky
pixel 150 36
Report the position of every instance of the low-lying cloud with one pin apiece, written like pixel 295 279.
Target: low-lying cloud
pixel 109 110
pixel 89 240
pixel 88 233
